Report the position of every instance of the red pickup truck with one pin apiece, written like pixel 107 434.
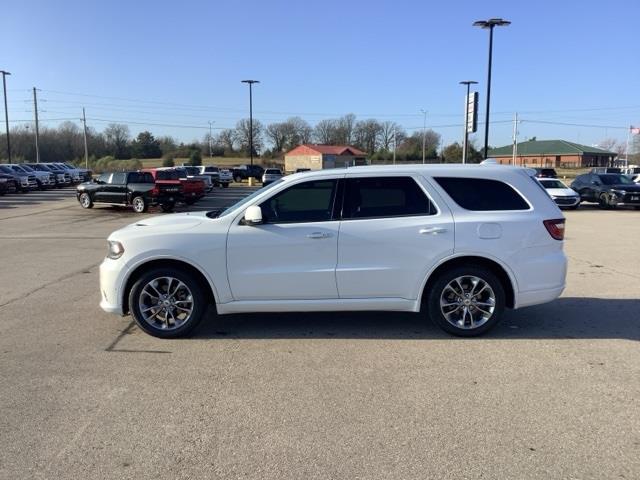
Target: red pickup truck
pixel 165 183
pixel 193 189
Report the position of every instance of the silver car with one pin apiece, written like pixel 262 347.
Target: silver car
pixel 271 175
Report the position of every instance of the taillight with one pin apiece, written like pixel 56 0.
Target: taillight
pixel 555 228
pixel 155 191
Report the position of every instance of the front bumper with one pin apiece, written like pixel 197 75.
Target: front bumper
pixel 110 282
pixel 564 202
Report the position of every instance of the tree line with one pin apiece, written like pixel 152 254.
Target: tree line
pixel 379 139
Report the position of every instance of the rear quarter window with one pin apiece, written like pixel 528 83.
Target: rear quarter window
pixel 482 194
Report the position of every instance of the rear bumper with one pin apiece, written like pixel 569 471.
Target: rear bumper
pixel 536 297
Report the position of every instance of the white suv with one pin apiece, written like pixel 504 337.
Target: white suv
pixel 458 242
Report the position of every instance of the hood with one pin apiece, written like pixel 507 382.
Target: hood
pixel 562 192
pixel 158 225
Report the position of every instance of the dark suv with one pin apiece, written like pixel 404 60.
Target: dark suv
pixel 607 189
pixel 546 173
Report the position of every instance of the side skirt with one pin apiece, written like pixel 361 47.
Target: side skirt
pixel 327 305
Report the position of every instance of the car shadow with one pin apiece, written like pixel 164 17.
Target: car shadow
pixel 565 318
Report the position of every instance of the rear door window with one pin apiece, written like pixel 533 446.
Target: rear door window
pixel 378 197
pixel 482 194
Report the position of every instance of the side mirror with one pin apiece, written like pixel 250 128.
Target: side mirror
pixel 253 215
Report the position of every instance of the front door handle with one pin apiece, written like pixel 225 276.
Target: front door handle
pixel 432 230
pixel 317 235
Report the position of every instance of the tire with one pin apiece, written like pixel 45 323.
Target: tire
pixel 167 207
pixel 237 179
pixel 167 323
pixel 604 203
pixel 491 300
pixel 225 185
pixel 139 204
pixel 85 200
pixel 40 186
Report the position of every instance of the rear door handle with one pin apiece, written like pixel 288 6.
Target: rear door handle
pixel 432 230
pixel 318 235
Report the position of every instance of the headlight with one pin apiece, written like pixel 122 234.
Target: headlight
pixel 115 250
pixel 3 180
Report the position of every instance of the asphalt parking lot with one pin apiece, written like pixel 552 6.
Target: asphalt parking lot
pixel 552 392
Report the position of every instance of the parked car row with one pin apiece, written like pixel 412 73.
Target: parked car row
pixel 608 190
pixel 23 177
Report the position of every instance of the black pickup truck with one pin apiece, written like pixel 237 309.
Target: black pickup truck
pixel 244 172
pixel 136 189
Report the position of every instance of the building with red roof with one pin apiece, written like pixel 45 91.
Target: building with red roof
pixel 317 157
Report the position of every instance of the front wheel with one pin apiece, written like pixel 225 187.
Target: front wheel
pixel 225 185
pixel 139 204
pixel 167 302
pixel 466 301
pixel 605 202
pixel 85 201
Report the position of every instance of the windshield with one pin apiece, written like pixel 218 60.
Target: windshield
pixel 249 199
pixel 192 170
pixel 211 169
pixel 553 184
pixel 167 175
pixel 613 179
pixel 5 169
pixel 272 171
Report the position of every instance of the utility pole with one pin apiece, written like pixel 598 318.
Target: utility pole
pixel 6 112
pixel 515 138
pixel 424 133
pixel 395 143
pixel 210 139
pixel 86 148
pixel 35 109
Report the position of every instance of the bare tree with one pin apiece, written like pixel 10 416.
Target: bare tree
pixel 344 129
pixel 243 136
pixel 301 132
pixel 117 138
pixel 324 132
pixel 278 134
pixel 366 135
pixel 390 134
pixel 227 139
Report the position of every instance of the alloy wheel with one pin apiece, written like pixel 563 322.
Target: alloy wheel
pixel 467 302
pixel 166 303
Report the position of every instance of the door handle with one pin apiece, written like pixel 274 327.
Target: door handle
pixel 318 235
pixel 432 230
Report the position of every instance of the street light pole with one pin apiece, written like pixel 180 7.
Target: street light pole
pixel 465 141
pixel 424 132
pixel 489 24
pixel 6 112
pixel 251 82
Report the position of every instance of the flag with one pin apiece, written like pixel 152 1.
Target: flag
pixel 635 130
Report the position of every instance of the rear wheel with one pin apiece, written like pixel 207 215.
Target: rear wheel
pixel 167 207
pixel 85 200
pixel 237 179
pixel 139 204
pixel 466 301
pixel 167 302
pixel 190 201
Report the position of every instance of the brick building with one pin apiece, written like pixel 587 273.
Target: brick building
pixel 554 153
pixel 318 157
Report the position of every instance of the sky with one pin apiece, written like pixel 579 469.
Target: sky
pixel 173 67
